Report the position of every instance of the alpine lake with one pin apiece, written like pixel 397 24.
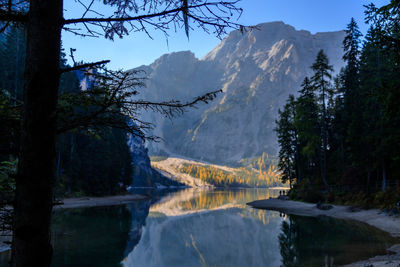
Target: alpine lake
pixel 194 227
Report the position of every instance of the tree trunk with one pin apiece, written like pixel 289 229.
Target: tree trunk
pixel 58 170
pixel 384 179
pixel 342 158
pixel 298 173
pixel 324 140
pixel 16 68
pixel 34 183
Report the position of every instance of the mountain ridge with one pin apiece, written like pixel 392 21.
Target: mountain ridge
pixel 256 70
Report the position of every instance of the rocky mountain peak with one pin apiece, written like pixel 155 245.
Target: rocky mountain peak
pixel 175 58
pixel 257 70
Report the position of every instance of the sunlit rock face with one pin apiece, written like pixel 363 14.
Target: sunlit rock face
pixel 256 70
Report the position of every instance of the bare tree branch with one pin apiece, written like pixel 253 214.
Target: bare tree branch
pixel 111 102
pixel 120 19
pixel 159 15
pixel 85 66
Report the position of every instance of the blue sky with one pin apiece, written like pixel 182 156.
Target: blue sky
pixel 137 49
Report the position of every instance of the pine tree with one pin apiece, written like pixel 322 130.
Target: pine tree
pixel 355 123
pixel 352 96
pixel 377 72
pixel 287 139
pixel 308 127
pixel 321 83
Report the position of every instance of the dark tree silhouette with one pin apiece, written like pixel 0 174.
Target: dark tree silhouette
pixel 321 83
pixel 44 22
pixel 354 124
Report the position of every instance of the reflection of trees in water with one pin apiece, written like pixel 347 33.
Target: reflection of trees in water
pixel 262 215
pixel 207 200
pixel 323 241
pixel 192 227
pixel 100 236
pixel 139 212
pixel 106 236
pixel 192 199
pixel 90 236
pixel 288 244
pixel 222 237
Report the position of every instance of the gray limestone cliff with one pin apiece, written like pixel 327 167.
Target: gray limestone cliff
pixel 256 70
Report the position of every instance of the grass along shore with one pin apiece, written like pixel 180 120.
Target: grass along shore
pixel 86 202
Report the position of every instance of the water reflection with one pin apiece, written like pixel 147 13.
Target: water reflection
pixel 196 200
pixel 207 228
pixel 215 228
pixel 323 241
pixel 91 236
pixel 139 213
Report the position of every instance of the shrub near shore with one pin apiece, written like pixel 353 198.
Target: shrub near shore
pixel 388 199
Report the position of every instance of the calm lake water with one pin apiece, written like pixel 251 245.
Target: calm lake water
pixel 207 228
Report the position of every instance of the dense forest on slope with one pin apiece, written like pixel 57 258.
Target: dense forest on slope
pixel 242 177
pixel 87 162
pixel 255 172
pixel 339 139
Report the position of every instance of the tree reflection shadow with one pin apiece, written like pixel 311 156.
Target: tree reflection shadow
pixel 100 236
pixel 323 241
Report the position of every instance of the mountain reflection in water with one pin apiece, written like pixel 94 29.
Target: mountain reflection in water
pixel 207 228
pixel 215 228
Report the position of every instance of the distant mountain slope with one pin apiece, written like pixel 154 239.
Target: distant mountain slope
pixel 257 71
pixel 200 174
pixel 170 167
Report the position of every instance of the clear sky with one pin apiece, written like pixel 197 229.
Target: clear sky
pixel 137 49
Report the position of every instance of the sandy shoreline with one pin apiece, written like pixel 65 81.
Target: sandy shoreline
pixel 85 202
pixel 372 217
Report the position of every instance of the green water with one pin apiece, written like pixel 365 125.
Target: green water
pixel 207 228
